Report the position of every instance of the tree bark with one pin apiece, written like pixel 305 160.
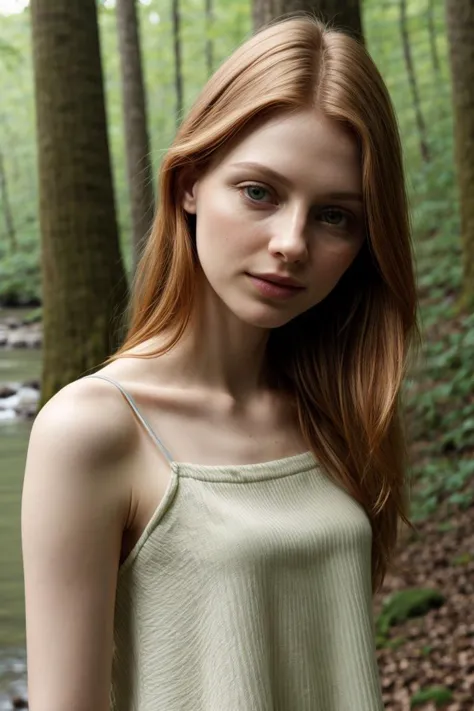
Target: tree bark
pixel 137 144
pixel 342 14
pixel 432 36
pixel 6 208
pixel 420 121
pixel 460 27
pixel 177 61
pixel 84 285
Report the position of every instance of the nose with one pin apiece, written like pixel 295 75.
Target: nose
pixel 288 235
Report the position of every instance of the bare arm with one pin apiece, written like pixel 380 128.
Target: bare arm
pixel 74 509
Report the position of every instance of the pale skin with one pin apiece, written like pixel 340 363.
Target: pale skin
pixel 94 477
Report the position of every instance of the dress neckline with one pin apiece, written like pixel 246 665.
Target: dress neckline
pixel 236 473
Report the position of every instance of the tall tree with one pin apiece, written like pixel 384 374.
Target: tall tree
pixel 432 37
pixel 345 14
pixel 410 67
pixel 6 208
pixel 178 72
pixel 84 285
pixel 137 144
pixel 460 26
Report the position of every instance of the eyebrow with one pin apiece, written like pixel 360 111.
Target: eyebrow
pixel 274 175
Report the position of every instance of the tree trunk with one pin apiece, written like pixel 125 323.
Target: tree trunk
pixel 84 285
pixel 209 42
pixel 460 26
pixel 177 61
pixel 420 121
pixel 343 14
pixel 432 36
pixel 6 208
pixel 137 144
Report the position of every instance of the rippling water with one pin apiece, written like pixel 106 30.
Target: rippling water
pixel 15 366
pixel 12 677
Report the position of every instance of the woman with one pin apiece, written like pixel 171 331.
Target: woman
pixel 206 518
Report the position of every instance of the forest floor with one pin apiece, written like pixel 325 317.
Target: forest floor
pixel 427 661
pixel 433 653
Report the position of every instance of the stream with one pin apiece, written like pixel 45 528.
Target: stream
pixel 16 365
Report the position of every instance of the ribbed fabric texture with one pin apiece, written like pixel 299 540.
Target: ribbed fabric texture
pixel 249 590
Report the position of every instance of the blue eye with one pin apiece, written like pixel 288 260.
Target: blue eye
pixel 335 217
pixel 255 192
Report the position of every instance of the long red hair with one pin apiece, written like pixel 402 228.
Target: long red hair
pixel 344 360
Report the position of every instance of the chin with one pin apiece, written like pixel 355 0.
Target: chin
pixel 265 318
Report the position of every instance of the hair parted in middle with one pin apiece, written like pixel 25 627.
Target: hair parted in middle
pixel 343 360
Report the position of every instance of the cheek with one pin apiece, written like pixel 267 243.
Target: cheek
pixel 330 263
pixel 221 229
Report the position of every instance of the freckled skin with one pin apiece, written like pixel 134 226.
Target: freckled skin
pixel 250 222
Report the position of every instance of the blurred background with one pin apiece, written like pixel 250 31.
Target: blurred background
pixel 91 93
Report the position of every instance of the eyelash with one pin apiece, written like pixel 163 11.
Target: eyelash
pixel 351 219
pixel 242 188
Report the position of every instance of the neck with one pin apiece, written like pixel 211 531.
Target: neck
pixel 218 352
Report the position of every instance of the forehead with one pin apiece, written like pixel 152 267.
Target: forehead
pixel 306 147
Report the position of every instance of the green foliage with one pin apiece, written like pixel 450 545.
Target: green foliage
pixel 445 526
pixel 442 480
pixel 426 650
pixel 439 392
pixel 463 559
pixel 396 642
pixel 440 695
pixel 19 279
pixel 403 605
pixel 9 55
pixel 34 316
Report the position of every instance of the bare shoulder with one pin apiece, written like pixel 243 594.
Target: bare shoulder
pixel 86 420
pixel 75 505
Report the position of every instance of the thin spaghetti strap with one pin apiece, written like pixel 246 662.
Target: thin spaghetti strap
pixel 137 412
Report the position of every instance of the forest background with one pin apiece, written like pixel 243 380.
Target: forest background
pixel 425 624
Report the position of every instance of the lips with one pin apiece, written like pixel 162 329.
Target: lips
pixel 279 280
pixel 273 289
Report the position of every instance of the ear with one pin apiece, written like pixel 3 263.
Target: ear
pixel 189 184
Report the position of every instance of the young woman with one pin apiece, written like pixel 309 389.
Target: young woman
pixel 206 518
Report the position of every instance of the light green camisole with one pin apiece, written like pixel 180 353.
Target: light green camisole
pixel 249 590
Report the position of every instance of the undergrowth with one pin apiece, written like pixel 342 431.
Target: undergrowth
pixel 439 393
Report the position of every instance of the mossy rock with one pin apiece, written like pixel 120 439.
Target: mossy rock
pixel 445 527
pixel 382 642
pixel 396 642
pixel 463 559
pixel 439 694
pixel 403 605
pixel 34 316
